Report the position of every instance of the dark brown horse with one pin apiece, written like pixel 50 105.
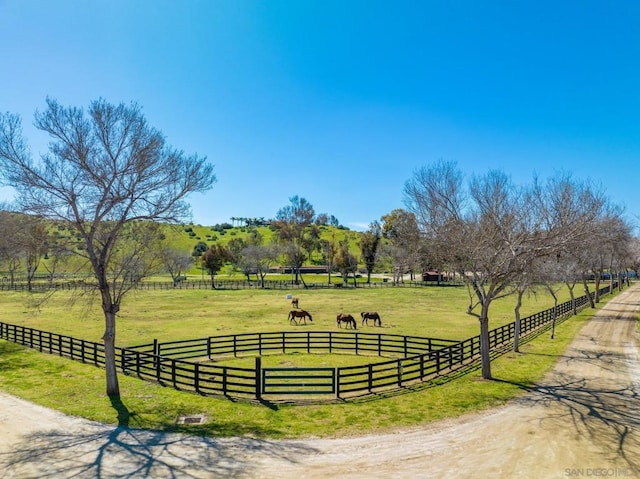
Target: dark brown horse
pixel 367 315
pixel 294 303
pixel 348 319
pixel 298 315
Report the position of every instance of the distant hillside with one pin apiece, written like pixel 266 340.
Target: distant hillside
pixel 185 237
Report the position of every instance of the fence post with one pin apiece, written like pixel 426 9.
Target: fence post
pixel 224 381
pixel 400 372
pixel 156 355
pixel 196 377
pixel 258 377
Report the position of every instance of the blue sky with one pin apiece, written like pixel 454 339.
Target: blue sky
pixel 340 102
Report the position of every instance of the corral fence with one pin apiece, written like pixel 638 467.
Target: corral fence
pixel 190 364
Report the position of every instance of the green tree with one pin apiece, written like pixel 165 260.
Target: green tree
pixel 346 262
pixel 369 242
pixel 214 259
pixel 291 223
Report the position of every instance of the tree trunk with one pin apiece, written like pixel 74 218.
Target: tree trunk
pixel 587 293
pixel 570 287
pixel 553 318
pixel 485 352
pixel 109 338
pixel 516 331
pixel 610 280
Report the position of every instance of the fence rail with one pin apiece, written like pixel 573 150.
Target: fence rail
pixel 186 365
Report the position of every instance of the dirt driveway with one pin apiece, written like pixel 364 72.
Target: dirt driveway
pixel 583 420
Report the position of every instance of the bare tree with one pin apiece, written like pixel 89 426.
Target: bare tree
pixel 569 210
pixel 175 262
pixel 401 229
pixel 10 249
pixel 258 258
pixel 106 170
pixel 33 238
pixel 487 243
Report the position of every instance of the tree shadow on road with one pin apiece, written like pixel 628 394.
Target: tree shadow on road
pixel 98 451
pixel 607 417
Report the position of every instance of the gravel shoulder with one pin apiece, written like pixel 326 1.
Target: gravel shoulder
pixel 582 420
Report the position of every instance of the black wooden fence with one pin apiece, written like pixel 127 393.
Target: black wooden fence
pixel 187 365
pixel 229 284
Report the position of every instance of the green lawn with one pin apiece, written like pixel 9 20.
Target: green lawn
pixel 167 315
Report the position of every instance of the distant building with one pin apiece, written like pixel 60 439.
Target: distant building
pixel 432 276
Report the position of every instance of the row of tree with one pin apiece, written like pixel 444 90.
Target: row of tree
pixel 109 180
pixel 504 239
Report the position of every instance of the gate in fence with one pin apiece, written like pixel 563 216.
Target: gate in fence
pixel 298 381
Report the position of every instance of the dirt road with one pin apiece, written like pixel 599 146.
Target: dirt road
pixel 583 420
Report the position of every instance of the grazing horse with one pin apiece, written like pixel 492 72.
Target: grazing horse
pixel 367 315
pixel 294 303
pixel 301 314
pixel 348 319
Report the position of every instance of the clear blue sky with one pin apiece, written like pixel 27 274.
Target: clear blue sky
pixel 341 101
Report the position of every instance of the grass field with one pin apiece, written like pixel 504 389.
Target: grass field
pixel 437 312
pixel 168 315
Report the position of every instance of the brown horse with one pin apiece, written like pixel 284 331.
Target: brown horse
pixel 348 319
pixel 367 315
pixel 300 314
pixel 294 303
